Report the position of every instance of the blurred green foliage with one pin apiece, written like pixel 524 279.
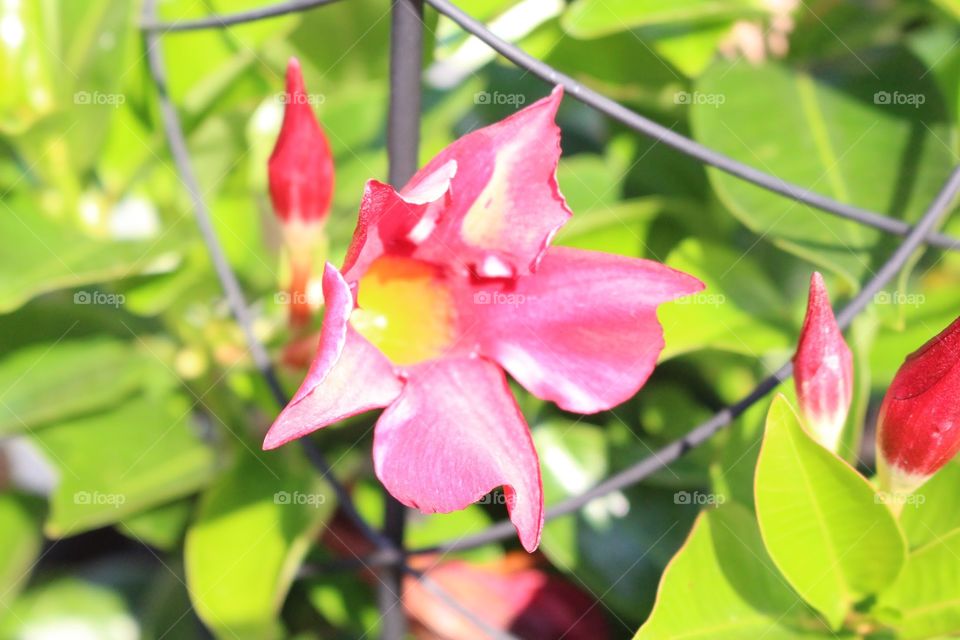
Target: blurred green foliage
pixel 134 500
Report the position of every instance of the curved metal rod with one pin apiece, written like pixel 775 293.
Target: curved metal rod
pixel 403 145
pixel 218 22
pixel 679 142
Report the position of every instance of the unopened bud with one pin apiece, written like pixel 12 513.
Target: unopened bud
pixel 919 423
pixel 823 369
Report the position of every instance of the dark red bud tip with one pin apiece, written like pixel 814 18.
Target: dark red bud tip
pixel 823 369
pixel 300 169
pixel 919 423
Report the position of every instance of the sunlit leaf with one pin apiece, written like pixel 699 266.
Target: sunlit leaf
pixel 38 255
pixel 933 511
pixel 253 529
pixel 48 382
pixel 20 542
pixel 821 521
pixel 870 130
pixel 925 601
pixel 161 527
pixel 112 465
pixel 71 606
pixel 722 585
pixel 740 310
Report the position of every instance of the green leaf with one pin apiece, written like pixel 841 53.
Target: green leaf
pixel 585 181
pixel 162 606
pixel 161 527
pixel 821 521
pixel 253 529
pixel 686 33
pixel 668 411
pixel 349 26
pixel 616 545
pixel 830 130
pixel 218 69
pixel 20 542
pixel 347 603
pixel 240 228
pixel 25 68
pixel 925 311
pixel 591 18
pixel 950 6
pixel 690 48
pixel 70 607
pixel 933 510
pixel 178 289
pixel 609 64
pixel 113 465
pixel 747 312
pixel 73 89
pixel 722 585
pixel 926 597
pixel 932 45
pixel 121 163
pixel 620 228
pixel 45 383
pixel 38 255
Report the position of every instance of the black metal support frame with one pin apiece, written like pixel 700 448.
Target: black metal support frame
pixel 406 45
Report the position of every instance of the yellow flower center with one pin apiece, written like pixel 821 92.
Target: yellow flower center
pixel 405 310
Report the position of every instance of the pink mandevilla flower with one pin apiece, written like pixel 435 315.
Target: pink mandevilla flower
pixel 823 369
pixel 300 176
pixel 919 423
pixel 450 281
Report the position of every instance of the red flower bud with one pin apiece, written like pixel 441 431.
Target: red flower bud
pixel 919 424
pixel 823 369
pixel 300 173
pixel 301 167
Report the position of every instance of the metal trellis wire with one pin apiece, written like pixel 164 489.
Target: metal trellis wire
pixel 390 556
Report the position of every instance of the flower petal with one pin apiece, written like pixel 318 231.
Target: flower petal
pixel 392 222
pixel 348 375
pixel 455 434
pixel 583 330
pixel 505 205
pixel 488 203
